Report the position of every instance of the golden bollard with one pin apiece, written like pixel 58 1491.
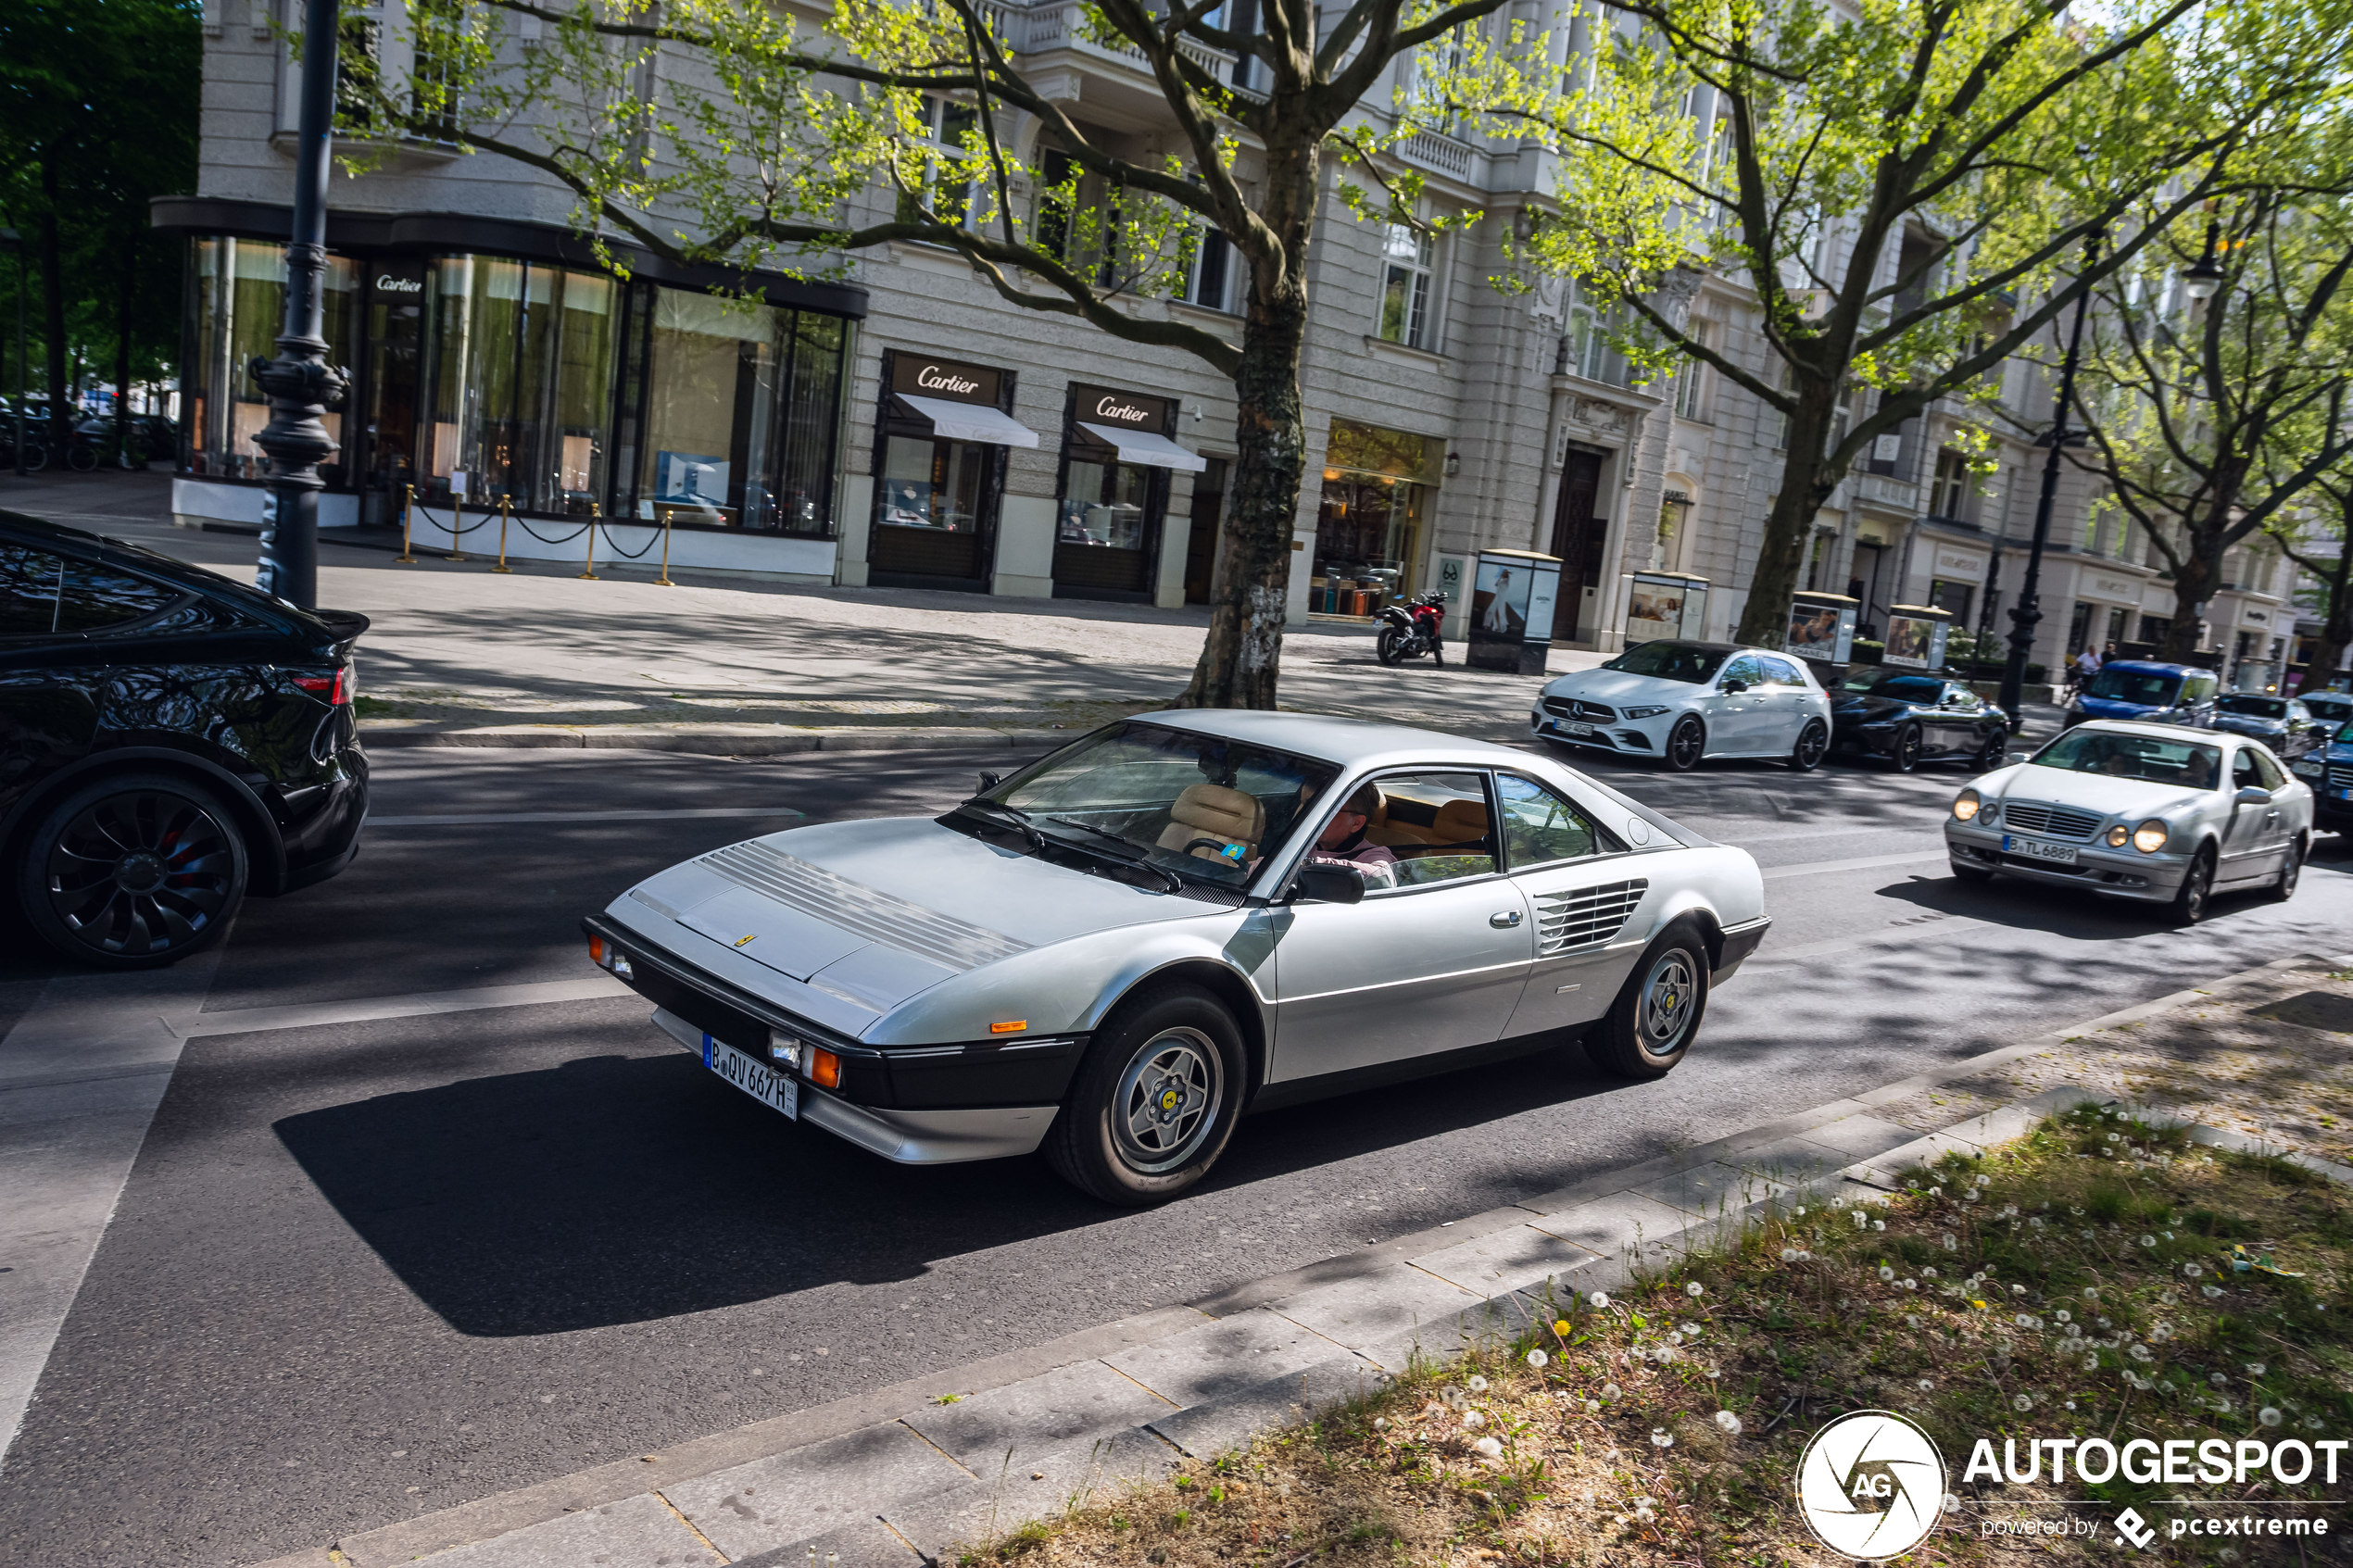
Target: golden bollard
pixel 593 513
pixel 663 581
pixel 408 519
pixel 503 508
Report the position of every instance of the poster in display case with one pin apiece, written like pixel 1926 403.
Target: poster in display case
pixel 1916 636
pixel 1512 594
pixel 1665 604
pixel 1822 626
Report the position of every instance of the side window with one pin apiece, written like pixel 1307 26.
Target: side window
pixel 2267 772
pixel 28 591
pixel 2243 772
pixel 1781 673
pixel 1961 698
pixel 1422 828
pixel 1745 669
pixel 1540 828
pixel 96 598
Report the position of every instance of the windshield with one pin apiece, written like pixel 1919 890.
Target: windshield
pixel 1901 689
pixel 1196 804
pixel 2147 687
pixel 2157 759
pixel 2330 709
pixel 2253 706
pixel 1671 661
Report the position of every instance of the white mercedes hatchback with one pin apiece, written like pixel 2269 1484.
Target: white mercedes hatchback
pixel 1682 703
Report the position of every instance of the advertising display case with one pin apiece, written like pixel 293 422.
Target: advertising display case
pixel 1665 604
pixel 1822 626
pixel 1512 594
pixel 1916 636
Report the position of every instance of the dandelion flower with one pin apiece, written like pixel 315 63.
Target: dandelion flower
pixel 2216 1379
pixel 1801 1213
pixel 1885 1272
pixel 2149 1241
pixel 1561 1328
pixel 2142 1354
pixel 1609 1391
pixel 1862 1220
pixel 1878 1224
pixel 2313 1423
pixel 1912 1319
pixel 1643 1515
pixel 1490 1448
pixel 2091 1363
pixel 2009 1211
pixel 1927 1274
pixel 2091 1293
pixel 2018 1290
pixel 1951 1502
pixel 1600 1302
pixel 1661 1438
pixel 1473 1420
pixel 1928 1385
pixel 2026 1319
pixel 2191 1270
pixel 2070 1404
pixel 1911 1284
pixel 1478 1385
pixel 1789 1254
pixel 1593 1407
pixel 2212 1291
pixel 1537 1359
pixel 1729 1422
pixel 2256 1368
pixel 1952 1242
pixel 2063 1315
pixel 2269 1415
pixel 2022 1403
pixel 1694 1290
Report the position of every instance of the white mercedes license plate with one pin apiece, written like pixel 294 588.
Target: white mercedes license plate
pixel 1579 729
pixel 2036 850
pixel 756 1079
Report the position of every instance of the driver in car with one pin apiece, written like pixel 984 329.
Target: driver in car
pixel 1342 842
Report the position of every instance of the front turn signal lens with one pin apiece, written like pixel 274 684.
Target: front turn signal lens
pixel 2117 835
pixel 825 1068
pixel 1008 1026
pixel 1965 806
pixel 597 951
pixel 2149 837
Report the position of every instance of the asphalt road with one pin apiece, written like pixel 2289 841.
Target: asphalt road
pixel 366 1270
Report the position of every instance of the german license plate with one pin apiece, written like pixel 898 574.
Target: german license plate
pixel 1579 729
pixel 756 1079
pixel 2036 850
pixel 2345 795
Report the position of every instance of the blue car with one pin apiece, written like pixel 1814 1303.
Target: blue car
pixel 2329 770
pixel 2150 692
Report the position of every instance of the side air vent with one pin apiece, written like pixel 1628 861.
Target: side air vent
pixel 1584 916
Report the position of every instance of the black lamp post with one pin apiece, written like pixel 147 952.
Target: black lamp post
pixel 299 382
pixel 2028 612
pixel 13 243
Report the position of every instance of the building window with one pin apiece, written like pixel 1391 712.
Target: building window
pixel 359 68
pixel 1691 382
pixel 1368 524
pixel 1209 276
pixel 945 190
pixel 240 309
pixel 1406 286
pixel 1953 597
pixel 1949 492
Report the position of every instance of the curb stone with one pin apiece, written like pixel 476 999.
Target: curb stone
pixel 890 1478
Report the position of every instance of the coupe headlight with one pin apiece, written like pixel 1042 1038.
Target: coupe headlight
pixel 1651 712
pixel 2308 767
pixel 1966 806
pixel 2149 837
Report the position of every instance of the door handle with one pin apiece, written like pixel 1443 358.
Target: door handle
pixel 1504 919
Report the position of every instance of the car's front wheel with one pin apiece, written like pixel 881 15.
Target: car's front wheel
pixel 1156 1100
pixel 1657 1015
pixel 1995 752
pixel 2291 871
pixel 2198 888
pixel 1686 744
pixel 133 872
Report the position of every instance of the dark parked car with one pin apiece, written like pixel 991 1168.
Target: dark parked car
pixel 2145 689
pixel 170 740
pixel 1906 717
pixel 2281 722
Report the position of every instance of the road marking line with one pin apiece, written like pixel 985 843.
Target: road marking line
pixel 473 818
pixel 419 1004
pixel 1869 863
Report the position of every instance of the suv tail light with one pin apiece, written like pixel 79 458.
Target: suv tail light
pixel 334 690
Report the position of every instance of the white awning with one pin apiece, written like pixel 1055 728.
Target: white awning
pixel 1152 451
pixel 972 421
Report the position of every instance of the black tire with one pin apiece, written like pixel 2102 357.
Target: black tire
pixel 1995 752
pixel 1385 646
pixel 2197 895
pixel 1686 745
pixel 133 872
pixel 36 456
pixel 1971 873
pixel 1438 655
pixel 1173 1040
pixel 2291 871
pixel 1813 745
pixel 1905 754
pixel 82 457
pixel 1657 1016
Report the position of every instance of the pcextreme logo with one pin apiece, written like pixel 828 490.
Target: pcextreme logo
pixel 1871 1484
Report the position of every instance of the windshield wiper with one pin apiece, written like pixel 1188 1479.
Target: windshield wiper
pixel 1012 816
pixel 1124 854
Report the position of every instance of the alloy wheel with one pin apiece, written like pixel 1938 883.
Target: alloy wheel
pixel 2197 890
pixel 140 874
pixel 1684 744
pixel 1995 752
pixel 1167 1101
pixel 1906 755
pixel 1667 993
pixel 1812 742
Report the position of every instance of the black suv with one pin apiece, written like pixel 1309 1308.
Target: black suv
pixel 170 740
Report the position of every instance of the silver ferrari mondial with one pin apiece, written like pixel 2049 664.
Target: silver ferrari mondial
pixel 2144 811
pixel 1116 951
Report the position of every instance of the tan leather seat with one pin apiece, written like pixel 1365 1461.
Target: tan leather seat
pixel 1459 822
pixel 1208 810
pixel 1379 830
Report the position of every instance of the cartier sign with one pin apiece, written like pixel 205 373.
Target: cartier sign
pixel 1133 410
pixel 923 376
pixel 387 283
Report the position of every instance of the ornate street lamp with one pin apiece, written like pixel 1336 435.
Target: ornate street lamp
pixel 299 383
pixel 2201 281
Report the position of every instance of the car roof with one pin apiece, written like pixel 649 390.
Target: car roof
pixel 2145 727
pixel 1351 742
pixel 2155 667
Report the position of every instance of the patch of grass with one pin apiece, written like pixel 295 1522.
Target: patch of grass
pixel 2077 1284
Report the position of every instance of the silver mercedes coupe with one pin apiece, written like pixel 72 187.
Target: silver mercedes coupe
pixel 1116 951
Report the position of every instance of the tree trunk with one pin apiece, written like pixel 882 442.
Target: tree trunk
pixel 53 307
pixel 1806 482
pixel 126 301
pixel 2194 583
pixel 1251 585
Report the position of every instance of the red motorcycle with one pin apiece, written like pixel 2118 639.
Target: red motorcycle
pixel 1413 628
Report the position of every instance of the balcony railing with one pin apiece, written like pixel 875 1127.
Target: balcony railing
pixel 1033 30
pixel 1440 155
pixel 1879 490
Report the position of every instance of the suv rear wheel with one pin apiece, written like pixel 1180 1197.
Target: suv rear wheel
pixel 133 872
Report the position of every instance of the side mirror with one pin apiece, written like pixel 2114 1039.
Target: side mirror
pixel 1734 688
pixel 1329 884
pixel 2253 794
pixel 989 782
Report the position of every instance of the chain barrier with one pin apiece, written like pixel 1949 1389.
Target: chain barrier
pixel 455 532
pixel 567 539
pixel 625 554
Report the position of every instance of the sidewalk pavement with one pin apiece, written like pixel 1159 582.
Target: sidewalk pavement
pixel 894 1477
pixel 459 654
